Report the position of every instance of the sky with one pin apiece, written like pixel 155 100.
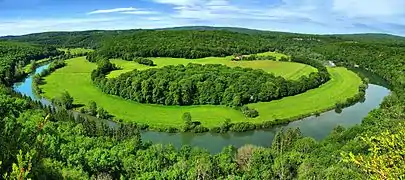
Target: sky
pixel 19 17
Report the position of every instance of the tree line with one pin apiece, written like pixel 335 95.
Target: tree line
pixel 182 44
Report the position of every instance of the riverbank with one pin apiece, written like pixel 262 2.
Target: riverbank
pixel 75 78
pixel 317 127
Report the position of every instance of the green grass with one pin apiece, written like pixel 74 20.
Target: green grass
pixel 75 50
pixel 288 70
pixel 75 78
pixel 27 68
pixel 275 54
pixel 343 84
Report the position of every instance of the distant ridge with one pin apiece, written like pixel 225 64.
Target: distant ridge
pixel 92 38
pixel 234 29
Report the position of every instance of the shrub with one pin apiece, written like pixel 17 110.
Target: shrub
pixel 250 113
pixel 243 127
pixel 199 129
pixel 145 61
pixel 225 126
pixel 172 130
pixel 215 129
pixel 284 59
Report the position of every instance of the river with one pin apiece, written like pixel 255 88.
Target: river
pixel 316 127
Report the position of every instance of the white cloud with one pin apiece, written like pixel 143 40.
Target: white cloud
pixel 335 15
pixel 140 12
pixel 179 2
pixel 311 16
pixel 103 11
pixel 40 25
pixel 129 10
pixel 369 8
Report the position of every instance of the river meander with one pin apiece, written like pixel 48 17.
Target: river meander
pixel 316 127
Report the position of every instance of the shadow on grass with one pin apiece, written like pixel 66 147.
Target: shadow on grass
pixel 78 106
pixel 196 123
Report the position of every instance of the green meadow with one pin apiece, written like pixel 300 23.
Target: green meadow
pixel 290 70
pixel 75 78
pixel 75 50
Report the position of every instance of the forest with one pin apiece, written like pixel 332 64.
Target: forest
pixel 14 56
pixel 43 143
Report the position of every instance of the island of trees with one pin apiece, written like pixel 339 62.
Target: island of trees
pixel 197 84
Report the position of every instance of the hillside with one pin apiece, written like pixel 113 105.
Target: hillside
pixel 93 38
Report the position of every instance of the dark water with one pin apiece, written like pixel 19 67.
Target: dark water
pixel 316 127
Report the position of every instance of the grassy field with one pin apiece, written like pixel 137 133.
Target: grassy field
pixel 275 54
pixel 75 50
pixel 75 78
pixel 288 70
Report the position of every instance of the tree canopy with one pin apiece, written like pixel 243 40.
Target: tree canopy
pixel 196 84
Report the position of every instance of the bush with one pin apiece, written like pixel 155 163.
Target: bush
pixel 284 59
pixel 225 126
pixel 172 130
pixel 142 126
pixel 199 129
pixel 215 129
pixel 145 61
pixel 250 113
pixel 243 127
pixel 268 124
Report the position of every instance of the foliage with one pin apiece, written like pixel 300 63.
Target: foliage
pixel 385 157
pixel 14 56
pixel 248 112
pixel 65 100
pixel 22 169
pixel 92 108
pixel 144 61
pixel 182 44
pixel 197 84
pixel 254 57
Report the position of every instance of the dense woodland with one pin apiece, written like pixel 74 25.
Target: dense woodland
pixel 14 56
pixel 41 143
pixel 182 44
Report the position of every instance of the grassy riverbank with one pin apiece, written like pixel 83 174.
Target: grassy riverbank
pixel 75 78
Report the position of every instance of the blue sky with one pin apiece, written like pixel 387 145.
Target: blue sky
pixel 306 16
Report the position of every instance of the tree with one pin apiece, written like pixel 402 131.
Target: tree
pixel 226 126
pixel 66 100
pixel 187 119
pixel 102 114
pixel 22 169
pixel 33 65
pixel 244 156
pixel 385 158
pixel 92 108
